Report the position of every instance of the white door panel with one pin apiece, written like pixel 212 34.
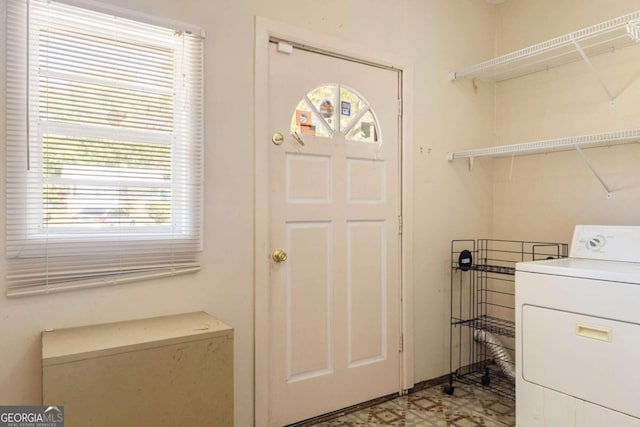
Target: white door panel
pixel 334 209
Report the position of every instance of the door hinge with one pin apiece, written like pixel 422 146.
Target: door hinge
pixel 399 107
pixel 401 344
pixel 399 224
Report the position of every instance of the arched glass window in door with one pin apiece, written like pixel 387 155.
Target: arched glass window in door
pixel 334 108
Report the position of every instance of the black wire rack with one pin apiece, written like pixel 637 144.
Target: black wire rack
pixel 483 302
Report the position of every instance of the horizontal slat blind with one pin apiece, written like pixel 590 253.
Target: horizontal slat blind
pixel 104 148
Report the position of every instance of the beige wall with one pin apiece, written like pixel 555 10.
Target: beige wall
pixel 450 202
pixel 547 195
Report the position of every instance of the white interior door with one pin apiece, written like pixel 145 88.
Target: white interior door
pixel 335 211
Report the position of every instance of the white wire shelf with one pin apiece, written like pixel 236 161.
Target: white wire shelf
pixel 607 36
pixel 551 145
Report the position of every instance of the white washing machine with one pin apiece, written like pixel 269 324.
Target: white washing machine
pixel 578 333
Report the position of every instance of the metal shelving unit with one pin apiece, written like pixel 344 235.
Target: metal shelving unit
pixel 482 326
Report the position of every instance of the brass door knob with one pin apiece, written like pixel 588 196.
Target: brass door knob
pixel 279 255
pixel 277 138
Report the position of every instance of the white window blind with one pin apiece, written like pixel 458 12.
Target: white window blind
pixel 104 148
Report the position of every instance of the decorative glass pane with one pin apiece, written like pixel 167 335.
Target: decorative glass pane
pixel 365 130
pixel 324 99
pixel 318 111
pixel 305 122
pixel 350 106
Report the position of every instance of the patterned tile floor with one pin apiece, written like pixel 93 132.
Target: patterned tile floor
pixel 470 406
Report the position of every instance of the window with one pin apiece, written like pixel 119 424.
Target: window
pixel 316 115
pixel 104 141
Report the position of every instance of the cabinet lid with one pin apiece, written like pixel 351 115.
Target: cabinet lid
pixel 87 342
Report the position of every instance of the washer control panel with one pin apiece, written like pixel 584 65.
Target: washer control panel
pixel 606 242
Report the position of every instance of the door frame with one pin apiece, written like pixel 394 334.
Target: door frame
pixel 265 30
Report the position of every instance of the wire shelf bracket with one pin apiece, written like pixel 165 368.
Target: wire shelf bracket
pixel 594 71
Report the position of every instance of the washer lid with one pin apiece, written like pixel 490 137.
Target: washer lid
pixel 613 271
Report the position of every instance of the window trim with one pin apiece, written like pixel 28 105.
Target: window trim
pixel 34 234
pixel 134 15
